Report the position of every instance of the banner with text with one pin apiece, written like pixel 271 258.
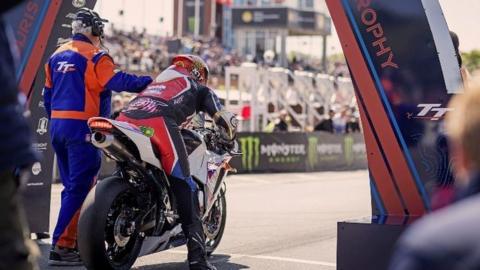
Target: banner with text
pixel 300 152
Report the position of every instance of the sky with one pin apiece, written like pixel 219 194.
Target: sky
pixel 139 13
pixel 463 17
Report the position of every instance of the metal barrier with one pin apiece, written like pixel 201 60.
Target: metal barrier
pixel 267 91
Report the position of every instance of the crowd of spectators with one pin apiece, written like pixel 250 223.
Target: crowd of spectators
pixel 139 51
pixel 344 120
pixel 338 120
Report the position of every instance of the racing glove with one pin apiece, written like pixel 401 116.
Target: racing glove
pixel 228 123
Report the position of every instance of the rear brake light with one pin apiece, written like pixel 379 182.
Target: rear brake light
pixel 100 125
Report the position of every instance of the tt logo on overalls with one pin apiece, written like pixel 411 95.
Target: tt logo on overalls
pixel 65 67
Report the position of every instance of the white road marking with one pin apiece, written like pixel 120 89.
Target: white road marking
pixel 263 257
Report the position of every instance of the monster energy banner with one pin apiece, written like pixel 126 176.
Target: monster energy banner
pixel 300 152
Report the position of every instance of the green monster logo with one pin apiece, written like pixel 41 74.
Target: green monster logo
pixel 251 152
pixel 348 150
pixel 312 151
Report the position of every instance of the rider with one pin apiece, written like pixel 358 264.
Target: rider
pixel 166 106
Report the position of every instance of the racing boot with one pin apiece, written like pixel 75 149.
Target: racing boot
pixel 64 257
pixel 189 210
pixel 197 254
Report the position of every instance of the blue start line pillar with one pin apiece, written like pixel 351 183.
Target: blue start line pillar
pixel 403 64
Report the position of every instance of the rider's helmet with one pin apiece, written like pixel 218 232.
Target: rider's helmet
pixel 195 65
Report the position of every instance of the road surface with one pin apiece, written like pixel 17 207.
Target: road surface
pixel 275 221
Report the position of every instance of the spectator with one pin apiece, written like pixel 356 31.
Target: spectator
pixel 326 124
pixel 281 124
pixel 340 121
pixel 456 46
pixel 353 123
pixel 449 238
pixel 445 193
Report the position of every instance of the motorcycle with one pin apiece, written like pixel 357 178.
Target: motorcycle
pixel 133 212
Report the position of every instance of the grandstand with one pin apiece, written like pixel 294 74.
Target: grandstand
pixel 266 92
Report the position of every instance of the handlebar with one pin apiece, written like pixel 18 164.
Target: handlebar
pixel 215 142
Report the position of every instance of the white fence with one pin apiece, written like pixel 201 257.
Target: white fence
pixel 268 91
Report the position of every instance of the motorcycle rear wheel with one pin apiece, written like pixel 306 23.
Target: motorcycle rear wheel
pixel 103 242
pixel 214 225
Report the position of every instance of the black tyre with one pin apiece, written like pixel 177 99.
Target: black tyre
pixel 214 225
pixel 102 239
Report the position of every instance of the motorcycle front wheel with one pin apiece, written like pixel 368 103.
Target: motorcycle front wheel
pixel 214 225
pixel 107 234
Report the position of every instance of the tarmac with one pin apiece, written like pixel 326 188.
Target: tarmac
pixel 274 221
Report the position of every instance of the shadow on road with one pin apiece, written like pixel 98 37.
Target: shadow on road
pixel 222 262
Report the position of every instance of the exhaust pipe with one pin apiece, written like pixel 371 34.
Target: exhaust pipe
pixel 109 144
pixel 101 140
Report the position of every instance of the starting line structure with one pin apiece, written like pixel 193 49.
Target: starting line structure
pixel 402 60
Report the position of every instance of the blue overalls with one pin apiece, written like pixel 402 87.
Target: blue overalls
pixel 79 80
